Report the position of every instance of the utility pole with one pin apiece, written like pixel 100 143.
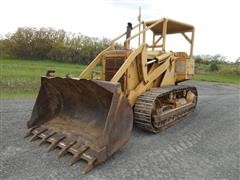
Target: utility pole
pixel 139 28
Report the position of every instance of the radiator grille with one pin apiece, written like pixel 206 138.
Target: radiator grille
pixel 111 67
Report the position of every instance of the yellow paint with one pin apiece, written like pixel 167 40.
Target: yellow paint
pixel 135 74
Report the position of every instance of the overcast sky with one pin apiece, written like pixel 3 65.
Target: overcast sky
pixel 217 23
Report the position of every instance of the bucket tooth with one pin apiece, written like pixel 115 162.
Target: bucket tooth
pixel 77 156
pixel 55 143
pixel 46 137
pixel 35 136
pixel 64 150
pixel 29 131
pixel 89 166
pixel 91 157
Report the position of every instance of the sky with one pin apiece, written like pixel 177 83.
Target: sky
pixel 216 22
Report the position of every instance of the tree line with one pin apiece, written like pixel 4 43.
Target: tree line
pixel 47 43
pixel 219 63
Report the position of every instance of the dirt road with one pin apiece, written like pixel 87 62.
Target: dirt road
pixel 204 145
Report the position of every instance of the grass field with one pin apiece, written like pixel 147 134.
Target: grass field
pixel 222 78
pixel 228 73
pixel 21 78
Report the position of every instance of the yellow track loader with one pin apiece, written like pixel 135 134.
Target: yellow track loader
pixel 92 116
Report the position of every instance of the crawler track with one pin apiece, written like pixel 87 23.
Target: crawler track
pixel 144 112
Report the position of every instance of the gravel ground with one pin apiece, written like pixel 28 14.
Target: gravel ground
pixel 204 145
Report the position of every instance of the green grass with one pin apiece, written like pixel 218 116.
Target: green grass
pixel 21 78
pixel 216 77
pixel 227 73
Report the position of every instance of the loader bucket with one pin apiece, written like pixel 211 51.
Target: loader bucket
pixel 90 119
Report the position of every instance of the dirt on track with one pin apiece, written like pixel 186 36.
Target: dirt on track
pixel 203 145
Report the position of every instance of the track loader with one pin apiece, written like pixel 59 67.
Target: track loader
pixel 92 116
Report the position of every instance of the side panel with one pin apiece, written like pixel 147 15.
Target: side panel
pixel 184 69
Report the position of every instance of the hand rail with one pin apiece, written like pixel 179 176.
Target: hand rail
pixel 86 72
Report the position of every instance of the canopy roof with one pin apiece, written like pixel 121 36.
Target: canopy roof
pixel 172 26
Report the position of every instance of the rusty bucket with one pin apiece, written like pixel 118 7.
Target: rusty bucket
pixel 90 119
